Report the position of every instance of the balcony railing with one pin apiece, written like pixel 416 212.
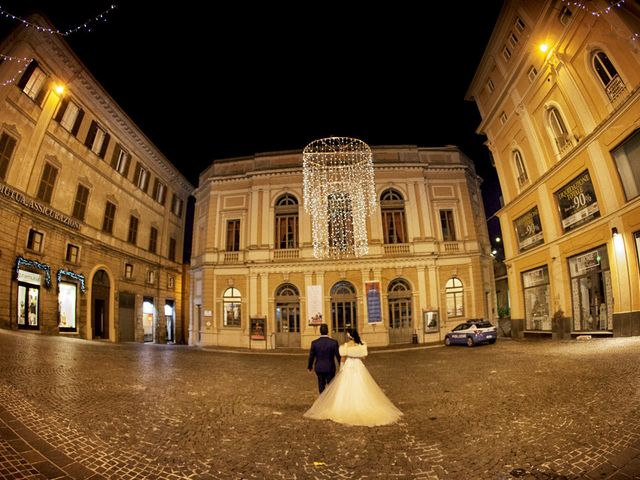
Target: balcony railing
pixel 286 254
pixel 615 88
pixel 231 257
pixel 397 249
pixel 451 247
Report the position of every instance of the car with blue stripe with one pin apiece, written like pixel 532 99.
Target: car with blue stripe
pixel 471 333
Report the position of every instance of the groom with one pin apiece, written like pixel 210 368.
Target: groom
pixel 323 350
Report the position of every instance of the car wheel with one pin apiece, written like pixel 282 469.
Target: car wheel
pixel 470 342
pixel 447 342
pixel 492 341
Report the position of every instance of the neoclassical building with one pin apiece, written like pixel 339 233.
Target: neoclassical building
pixel 92 215
pixel 558 93
pixel 255 282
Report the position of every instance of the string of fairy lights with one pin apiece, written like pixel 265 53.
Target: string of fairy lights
pixel 23 62
pixel 339 194
pixel 599 13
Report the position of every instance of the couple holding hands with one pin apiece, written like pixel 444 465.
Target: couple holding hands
pixel 351 396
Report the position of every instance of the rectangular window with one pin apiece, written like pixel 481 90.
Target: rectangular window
pixel 565 15
pixel 141 178
pixel 171 282
pixel 627 160
pixel 45 190
pixel 393 224
pixel 520 26
pixel 133 230
pixel 97 139
pixel 73 252
pixel 151 277
pixel 448 229
pixel 128 271
pixel 513 39
pixel 490 86
pixel 7 146
pixel 176 205
pixel 109 217
pixel 120 160
pixel 532 73
pixel 70 115
pixel 159 192
pixel 34 241
pixel 506 53
pixel 153 239
pixel 172 249
pixel 503 118
pixel 233 235
pixel 80 205
pixel 34 82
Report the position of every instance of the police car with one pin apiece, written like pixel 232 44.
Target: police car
pixel 471 333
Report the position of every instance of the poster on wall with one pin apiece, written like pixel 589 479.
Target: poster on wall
pixel 529 230
pixel 374 311
pixel 314 304
pixel 577 202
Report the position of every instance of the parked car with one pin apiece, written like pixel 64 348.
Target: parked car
pixel 471 333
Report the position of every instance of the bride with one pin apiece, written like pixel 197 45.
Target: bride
pixel 354 397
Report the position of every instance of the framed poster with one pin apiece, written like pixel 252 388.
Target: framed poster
pixel 258 328
pixel 430 321
pixel 577 202
pixel 529 230
pixel 314 304
pixel 374 310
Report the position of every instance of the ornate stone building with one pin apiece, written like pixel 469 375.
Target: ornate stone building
pixel 92 215
pixel 255 282
pixel 558 93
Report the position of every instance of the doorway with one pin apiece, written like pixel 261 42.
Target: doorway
pixel 100 290
pixel 343 310
pixel 287 316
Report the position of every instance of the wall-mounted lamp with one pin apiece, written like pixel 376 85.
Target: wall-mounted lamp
pixel 614 232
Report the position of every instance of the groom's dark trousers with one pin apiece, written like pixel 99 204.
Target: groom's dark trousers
pixel 323 351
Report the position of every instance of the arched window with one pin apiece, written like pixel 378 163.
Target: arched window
pixel 558 129
pixel 521 172
pixel 286 229
pixel 231 304
pixel 393 224
pixel 454 292
pixel 607 74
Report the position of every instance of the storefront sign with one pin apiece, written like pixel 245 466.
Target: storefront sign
pixel 28 277
pixel 374 310
pixel 529 230
pixel 38 207
pixel 577 202
pixel 21 261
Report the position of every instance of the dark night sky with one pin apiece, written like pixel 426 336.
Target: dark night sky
pixel 237 79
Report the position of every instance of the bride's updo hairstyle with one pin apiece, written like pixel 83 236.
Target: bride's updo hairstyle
pixel 353 333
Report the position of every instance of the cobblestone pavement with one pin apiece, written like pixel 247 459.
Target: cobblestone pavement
pixel 76 409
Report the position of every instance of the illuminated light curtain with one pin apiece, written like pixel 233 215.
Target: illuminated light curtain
pixel 339 194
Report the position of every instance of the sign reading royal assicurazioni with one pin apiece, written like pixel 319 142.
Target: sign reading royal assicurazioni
pixel 38 207
pixel 577 202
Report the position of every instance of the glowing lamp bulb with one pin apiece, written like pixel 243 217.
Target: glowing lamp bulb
pixel 543 47
pixel 59 89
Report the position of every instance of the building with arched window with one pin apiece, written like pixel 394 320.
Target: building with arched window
pixel 92 213
pixel 252 264
pixel 571 101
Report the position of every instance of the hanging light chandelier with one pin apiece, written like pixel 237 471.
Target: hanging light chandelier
pixel 339 194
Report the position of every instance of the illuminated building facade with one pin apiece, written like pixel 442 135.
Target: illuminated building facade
pixel 557 90
pixel 255 282
pixel 92 214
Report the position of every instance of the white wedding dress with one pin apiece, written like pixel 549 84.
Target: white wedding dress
pixel 353 397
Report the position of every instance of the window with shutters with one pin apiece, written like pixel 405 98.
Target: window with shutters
pixel 128 271
pixel 97 139
pixel 7 146
pixel 35 240
pixel 80 204
pixel 141 178
pixel 132 237
pixel 521 172
pixel 120 160
pixel 159 191
pixel 69 115
pixel 48 180
pixel 109 217
pixel 559 130
pixel 176 205
pixel 73 253
pixel 33 82
pixel 233 235
pixel 153 239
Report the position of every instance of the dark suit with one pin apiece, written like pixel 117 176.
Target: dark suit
pixel 323 351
